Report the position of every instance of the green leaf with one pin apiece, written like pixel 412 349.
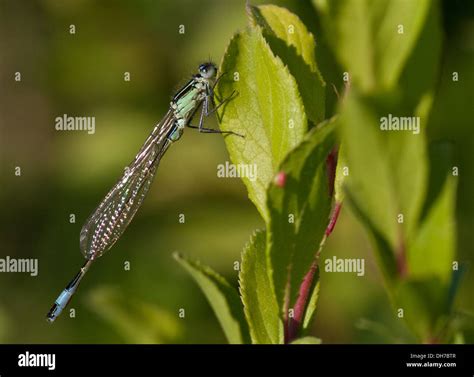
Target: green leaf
pixel 454 285
pixel 432 252
pixel 366 39
pixel 267 110
pixel 222 297
pixel 307 340
pixel 424 306
pixel 385 255
pixel 441 164
pixel 387 169
pixel 368 168
pixel 261 309
pixel 286 26
pixel 299 212
pixel 136 321
pixel 420 74
pixel 291 41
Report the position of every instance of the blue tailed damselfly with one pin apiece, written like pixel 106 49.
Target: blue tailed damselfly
pixel 110 219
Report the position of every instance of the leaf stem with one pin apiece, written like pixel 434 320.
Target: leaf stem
pixel 294 324
pixel 333 219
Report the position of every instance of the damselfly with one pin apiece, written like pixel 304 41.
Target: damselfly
pixel 110 219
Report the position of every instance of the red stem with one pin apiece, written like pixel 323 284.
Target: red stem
pixel 334 217
pixel 294 324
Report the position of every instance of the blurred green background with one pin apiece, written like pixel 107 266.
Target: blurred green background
pixel 65 173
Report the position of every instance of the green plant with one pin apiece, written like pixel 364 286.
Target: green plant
pixel 296 127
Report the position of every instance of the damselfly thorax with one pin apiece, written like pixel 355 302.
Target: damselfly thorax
pixel 186 102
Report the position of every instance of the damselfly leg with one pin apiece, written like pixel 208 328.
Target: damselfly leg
pixel 206 112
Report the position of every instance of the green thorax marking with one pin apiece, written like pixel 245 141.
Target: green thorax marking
pixel 185 104
pixel 189 98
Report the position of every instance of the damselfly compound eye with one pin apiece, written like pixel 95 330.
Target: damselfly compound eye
pixel 207 70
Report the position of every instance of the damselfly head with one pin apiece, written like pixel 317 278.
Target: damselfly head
pixel 208 70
